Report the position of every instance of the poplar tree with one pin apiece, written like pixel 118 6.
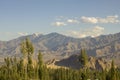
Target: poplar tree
pixel 83 58
pixel 113 71
pixel 27 49
pixel 40 66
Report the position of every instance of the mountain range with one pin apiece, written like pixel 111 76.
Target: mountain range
pixel 58 46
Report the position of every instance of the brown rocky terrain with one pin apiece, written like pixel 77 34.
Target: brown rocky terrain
pixel 93 63
pixel 59 46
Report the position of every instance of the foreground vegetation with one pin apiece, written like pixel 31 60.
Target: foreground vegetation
pixel 26 68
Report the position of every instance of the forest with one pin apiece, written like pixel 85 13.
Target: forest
pixel 25 68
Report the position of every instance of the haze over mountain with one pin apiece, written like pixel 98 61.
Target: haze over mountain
pixel 58 46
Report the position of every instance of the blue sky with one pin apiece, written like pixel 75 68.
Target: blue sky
pixel 77 18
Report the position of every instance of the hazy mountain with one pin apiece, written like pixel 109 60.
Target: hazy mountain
pixel 55 45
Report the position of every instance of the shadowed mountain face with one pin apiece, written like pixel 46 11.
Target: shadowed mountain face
pixel 93 63
pixel 55 45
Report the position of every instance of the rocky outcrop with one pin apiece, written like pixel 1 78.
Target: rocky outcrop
pixel 99 63
pixel 93 63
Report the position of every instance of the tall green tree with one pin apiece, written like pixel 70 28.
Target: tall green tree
pixel 27 50
pixel 113 71
pixel 27 47
pixel 7 61
pixel 40 66
pixel 83 58
pixel 111 75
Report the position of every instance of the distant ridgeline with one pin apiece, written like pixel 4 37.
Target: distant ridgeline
pixel 58 46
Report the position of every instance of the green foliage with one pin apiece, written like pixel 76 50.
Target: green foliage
pixel 113 73
pixel 40 62
pixel 40 66
pixel 83 58
pixel 27 47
